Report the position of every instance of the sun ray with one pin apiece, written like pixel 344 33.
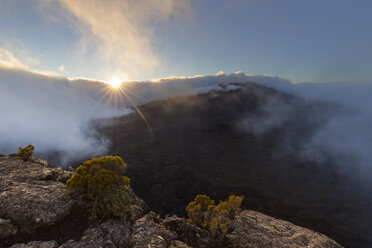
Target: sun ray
pixel 115 93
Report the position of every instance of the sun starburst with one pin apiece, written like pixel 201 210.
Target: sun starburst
pixel 117 94
pixel 115 82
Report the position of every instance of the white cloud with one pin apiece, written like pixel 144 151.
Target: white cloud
pixel 121 33
pixel 8 59
pixel 220 73
pixel 51 112
pixel 62 69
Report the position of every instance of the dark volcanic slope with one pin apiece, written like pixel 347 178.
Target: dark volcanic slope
pixel 198 146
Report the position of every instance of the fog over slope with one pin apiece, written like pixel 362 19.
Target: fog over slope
pixel 54 113
pixel 50 112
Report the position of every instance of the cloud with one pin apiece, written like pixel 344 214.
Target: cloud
pixel 62 69
pixel 346 136
pixel 51 112
pixel 273 113
pixel 220 73
pixel 121 33
pixel 340 113
pixel 54 113
pixel 7 59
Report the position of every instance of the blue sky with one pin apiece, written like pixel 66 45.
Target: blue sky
pixel 317 40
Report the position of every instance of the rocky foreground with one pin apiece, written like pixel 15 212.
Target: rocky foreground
pixel 37 211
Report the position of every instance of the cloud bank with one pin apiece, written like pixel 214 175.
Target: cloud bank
pixel 53 112
pixel 343 115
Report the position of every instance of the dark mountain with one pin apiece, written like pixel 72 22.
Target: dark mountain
pixel 246 142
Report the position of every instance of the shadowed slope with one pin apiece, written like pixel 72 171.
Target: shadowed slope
pixel 200 145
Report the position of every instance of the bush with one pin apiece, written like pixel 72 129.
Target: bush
pixel 103 181
pixel 197 210
pixel 217 219
pixel 25 153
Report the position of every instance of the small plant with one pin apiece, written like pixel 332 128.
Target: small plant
pixel 217 219
pixel 197 210
pixel 103 181
pixel 25 153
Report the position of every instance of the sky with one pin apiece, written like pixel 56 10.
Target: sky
pixel 304 41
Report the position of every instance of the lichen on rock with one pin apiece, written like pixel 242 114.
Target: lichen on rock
pixel 252 229
pixel 26 200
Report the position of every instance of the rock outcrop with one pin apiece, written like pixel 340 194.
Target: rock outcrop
pixel 37 244
pixel 26 199
pixel 147 233
pixel 188 233
pixel 7 229
pixel 32 196
pixel 252 229
pixel 112 233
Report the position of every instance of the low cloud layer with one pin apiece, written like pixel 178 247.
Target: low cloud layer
pixel 51 112
pixel 343 134
pixel 54 113
pixel 346 136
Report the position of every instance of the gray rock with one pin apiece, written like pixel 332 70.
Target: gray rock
pixel 188 233
pixel 178 244
pixel 37 244
pixel 147 233
pixel 28 201
pixel 55 174
pixel 136 213
pixel 6 228
pixel 252 229
pixel 136 200
pixel 40 161
pixel 112 233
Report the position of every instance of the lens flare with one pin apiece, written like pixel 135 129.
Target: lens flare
pixel 115 83
pixel 117 94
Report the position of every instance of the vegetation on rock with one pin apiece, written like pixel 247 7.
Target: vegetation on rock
pixel 104 183
pixel 216 218
pixel 25 153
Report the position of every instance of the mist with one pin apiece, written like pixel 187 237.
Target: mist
pixel 346 136
pixel 343 116
pixel 51 112
pixel 342 121
pixel 54 113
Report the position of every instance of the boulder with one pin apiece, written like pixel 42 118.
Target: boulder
pixel 136 200
pixel 6 228
pixel 136 213
pixel 55 174
pixel 188 233
pixel 37 244
pixel 28 201
pixel 252 229
pixel 178 244
pixel 146 233
pixel 112 233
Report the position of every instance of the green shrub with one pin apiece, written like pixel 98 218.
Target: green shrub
pixel 104 183
pixel 197 210
pixel 217 219
pixel 25 153
pixel 115 203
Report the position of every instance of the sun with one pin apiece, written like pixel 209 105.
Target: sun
pixel 115 83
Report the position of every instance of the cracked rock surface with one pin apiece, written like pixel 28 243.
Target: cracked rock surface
pixel 147 233
pixel 252 229
pixel 28 201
